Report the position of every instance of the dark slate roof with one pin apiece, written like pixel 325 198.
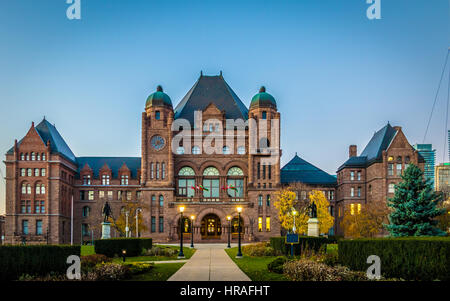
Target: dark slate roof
pixel 114 163
pixel 48 132
pixel 299 170
pixel 211 89
pixel 374 149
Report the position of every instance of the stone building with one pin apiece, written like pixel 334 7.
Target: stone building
pixel 2 228
pixel 371 176
pixel 43 175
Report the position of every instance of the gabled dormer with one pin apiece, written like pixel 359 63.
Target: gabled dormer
pixel 86 174
pixel 105 175
pixel 124 174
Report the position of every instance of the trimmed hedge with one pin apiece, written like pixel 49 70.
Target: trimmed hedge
pixel 312 243
pixel 409 258
pixel 35 260
pixel 114 246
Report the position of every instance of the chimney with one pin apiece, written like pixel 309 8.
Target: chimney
pixel 352 151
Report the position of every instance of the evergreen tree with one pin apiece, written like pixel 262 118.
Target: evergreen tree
pixel 414 206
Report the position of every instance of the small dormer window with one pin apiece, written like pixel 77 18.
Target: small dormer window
pixel 157 115
pixel 264 115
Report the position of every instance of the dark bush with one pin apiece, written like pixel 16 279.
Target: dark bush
pixel 276 265
pixel 90 261
pixel 305 242
pixel 410 258
pixel 35 260
pixel 114 246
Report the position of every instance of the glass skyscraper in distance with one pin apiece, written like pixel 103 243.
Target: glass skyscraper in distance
pixel 429 154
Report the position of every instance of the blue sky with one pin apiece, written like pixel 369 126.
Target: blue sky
pixel 337 76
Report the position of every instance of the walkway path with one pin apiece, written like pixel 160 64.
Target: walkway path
pixel 209 263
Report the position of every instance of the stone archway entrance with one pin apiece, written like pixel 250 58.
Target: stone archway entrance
pixel 211 227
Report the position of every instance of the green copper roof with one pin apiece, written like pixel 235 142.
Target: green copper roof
pixel 158 98
pixel 263 99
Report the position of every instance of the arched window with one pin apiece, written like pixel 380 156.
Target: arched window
pixel 196 150
pixel 28 188
pixel 86 211
pixel 268 200
pixel 161 201
pixel 211 171
pixel 29 172
pixel 211 184
pixel 22 156
pixel 23 172
pixel 186 182
pixel 235 171
pixel 186 171
pixel 24 188
pixel 153 201
pixel 38 188
pixel 226 150
pixel 36 172
pixel 241 150
pixel 38 157
pixel 43 156
pixel 26 157
pixel 235 183
pixel 180 150
pixel 260 200
pixel 33 156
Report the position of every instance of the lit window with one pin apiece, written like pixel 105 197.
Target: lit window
pixel 91 195
pixel 87 180
pixel 36 172
pixel 399 169
pixel 43 172
pixel 391 188
pixel 124 180
pixel 105 179
pixel 352 209
pixel 28 188
pixel 22 172
pixel 101 194
pixel 267 224
pixel 33 156
pixel 26 157
pixel 260 226
pixel 43 156
pixel 110 195
pixel 38 157
pixel 22 156
pixel 359 208
pixel 29 172
pixel 129 195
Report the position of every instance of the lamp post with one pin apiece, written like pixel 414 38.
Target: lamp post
pixel 239 253
pixel 124 255
pixel 229 231
pixel 181 254
pixel 137 221
pixel 126 223
pixel 294 213
pixel 192 231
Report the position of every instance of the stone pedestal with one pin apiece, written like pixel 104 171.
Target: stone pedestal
pixel 313 227
pixel 106 230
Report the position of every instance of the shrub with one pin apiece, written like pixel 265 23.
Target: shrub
pixel 137 268
pixel 114 246
pixel 277 264
pixel 309 270
pixel 258 249
pixel 410 258
pixel 34 260
pixel 90 261
pixel 109 272
pixel 305 243
pixel 161 251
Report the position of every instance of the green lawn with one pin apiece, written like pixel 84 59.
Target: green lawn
pixel 87 250
pixel 255 267
pixel 160 272
pixel 188 252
